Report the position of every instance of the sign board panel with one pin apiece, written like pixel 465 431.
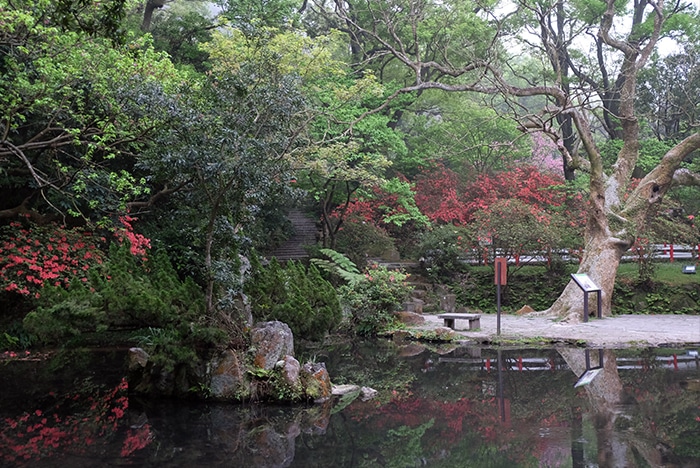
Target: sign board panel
pixel 500 266
pixel 588 376
pixel 584 282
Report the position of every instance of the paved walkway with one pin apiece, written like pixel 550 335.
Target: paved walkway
pixel 617 331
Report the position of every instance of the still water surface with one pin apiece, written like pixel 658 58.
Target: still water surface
pixel 449 407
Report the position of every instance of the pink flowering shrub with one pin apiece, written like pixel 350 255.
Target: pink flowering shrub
pixel 31 258
pixel 138 244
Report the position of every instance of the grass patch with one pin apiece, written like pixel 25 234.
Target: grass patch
pixel 670 273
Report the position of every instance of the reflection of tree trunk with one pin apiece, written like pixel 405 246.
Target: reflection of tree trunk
pixel 605 394
pixel 577 458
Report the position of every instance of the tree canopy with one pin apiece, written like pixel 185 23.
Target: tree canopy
pixel 419 113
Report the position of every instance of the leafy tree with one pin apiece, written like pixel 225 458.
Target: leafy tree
pixel 511 227
pixel 76 109
pixel 469 138
pixel 442 251
pixel 181 29
pixel 438 195
pixel 669 91
pixel 248 14
pixel 537 97
pixel 226 155
pixel 525 183
pixel 388 210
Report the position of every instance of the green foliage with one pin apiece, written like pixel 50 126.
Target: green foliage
pixel 513 227
pixel 295 295
pixel 228 148
pixel 65 320
pixel 179 30
pixel 531 285
pixel 76 108
pixel 442 251
pixel 651 296
pixel 136 295
pixel 372 300
pixel 338 265
pixel 126 293
pixel 360 240
pixel 167 347
pixel 16 336
pixel 468 137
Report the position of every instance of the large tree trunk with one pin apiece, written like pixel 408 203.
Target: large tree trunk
pixel 600 261
pixel 151 6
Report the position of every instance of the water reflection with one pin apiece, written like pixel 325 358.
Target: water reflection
pixel 442 407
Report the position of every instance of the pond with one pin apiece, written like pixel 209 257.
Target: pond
pixel 441 407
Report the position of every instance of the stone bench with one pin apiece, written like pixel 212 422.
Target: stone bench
pixel 474 320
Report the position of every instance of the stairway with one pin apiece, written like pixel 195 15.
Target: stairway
pixel 305 234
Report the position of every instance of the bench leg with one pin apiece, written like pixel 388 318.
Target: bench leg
pixel 450 323
pixel 474 324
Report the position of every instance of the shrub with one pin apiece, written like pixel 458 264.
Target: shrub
pixel 372 299
pixel 360 240
pixel 295 295
pixel 122 293
pixel 441 251
pixel 38 256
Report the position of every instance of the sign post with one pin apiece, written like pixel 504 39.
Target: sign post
pixel 499 280
pixel 587 285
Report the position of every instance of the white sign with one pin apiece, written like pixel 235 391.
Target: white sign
pixel 588 376
pixel 584 282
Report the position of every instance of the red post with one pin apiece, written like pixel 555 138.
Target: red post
pixel 488 365
pixel 675 362
pixel 670 253
pixel 520 363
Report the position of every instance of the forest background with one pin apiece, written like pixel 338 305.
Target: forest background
pixel 150 151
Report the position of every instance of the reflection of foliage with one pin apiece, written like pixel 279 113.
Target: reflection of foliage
pixel 420 428
pixel 371 363
pixel 663 408
pixel 76 420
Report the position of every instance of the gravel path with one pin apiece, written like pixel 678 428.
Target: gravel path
pixel 618 331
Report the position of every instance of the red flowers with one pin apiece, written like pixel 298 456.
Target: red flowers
pixel 31 258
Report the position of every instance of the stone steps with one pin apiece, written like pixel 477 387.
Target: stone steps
pixel 305 235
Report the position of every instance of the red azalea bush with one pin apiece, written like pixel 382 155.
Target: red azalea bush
pixel 52 255
pixel 31 258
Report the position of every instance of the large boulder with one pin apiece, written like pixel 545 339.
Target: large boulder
pixel 228 376
pixel 316 381
pixel 271 342
pixel 290 368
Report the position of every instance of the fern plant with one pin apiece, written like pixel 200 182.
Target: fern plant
pixel 339 265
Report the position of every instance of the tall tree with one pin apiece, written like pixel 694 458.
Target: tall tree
pixel 613 219
pixel 227 154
